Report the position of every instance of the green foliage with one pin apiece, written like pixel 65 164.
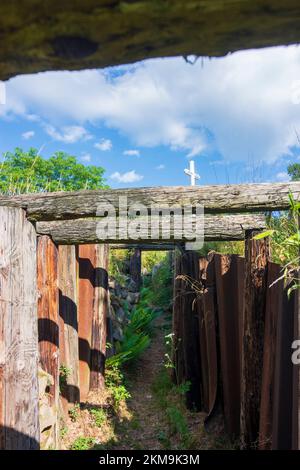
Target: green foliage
pixel 151 259
pixel 99 416
pixel 285 241
pixel 74 412
pixel 114 381
pixel 158 291
pixel 29 172
pixel 294 171
pixel 64 373
pixel 118 259
pixel 83 443
pixel 228 248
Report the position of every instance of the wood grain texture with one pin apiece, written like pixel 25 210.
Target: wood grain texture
pixel 216 227
pixel 68 312
pixel 60 35
pixel 47 285
pixel 215 199
pixel 19 332
pixel 256 259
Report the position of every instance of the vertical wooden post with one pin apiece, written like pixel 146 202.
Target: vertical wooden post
pixel 47 284
pixel 296 369
pixel 68 326
pixel 136 267
pixel 86 291
pixel 98 340
pixel 19 426
pixel 256 259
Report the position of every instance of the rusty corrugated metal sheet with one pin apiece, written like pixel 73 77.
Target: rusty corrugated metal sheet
pixel 86 261
pixel 191 350
pixel 283 377
pixel 228 307
pixel 273 305
pixel 210 333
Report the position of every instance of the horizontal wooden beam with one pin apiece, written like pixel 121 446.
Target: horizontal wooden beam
pixel 216 227
pixel 64 34
pixel 215 199
pixel 144 246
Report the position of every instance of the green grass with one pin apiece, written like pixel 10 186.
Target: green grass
pixel 83 443
pixel 99 416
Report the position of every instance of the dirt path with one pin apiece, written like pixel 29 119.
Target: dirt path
pixel 141 429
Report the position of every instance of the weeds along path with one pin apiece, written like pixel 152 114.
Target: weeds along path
pixel 143 427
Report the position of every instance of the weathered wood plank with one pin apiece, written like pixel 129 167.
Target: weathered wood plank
pixel 48 329
pixel 215 199
pixel 256 259
pixel 216 227
pixel 68 311
pixel 94 34
pixel 98 340
pixel 19 332
pixel 163 246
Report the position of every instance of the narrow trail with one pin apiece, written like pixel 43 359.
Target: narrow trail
pixel 141 430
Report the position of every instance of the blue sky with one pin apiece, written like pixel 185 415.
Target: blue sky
pixel 238 117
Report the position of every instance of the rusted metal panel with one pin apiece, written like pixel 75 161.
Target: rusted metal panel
pixel 296 377
pixel 208 337
pixel 48 329
pixel 256 258
pixel 191 350
pixel 283 378
pixel 86 261
pixel 229 334
pixel 273 306
pixel 98 340
pixel 68 323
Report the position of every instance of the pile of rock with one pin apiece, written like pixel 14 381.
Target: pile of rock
pixel 122 298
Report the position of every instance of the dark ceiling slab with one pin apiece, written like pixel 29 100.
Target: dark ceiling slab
pixel 75 34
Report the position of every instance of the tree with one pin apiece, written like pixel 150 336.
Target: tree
pixel 294 171
pixel 29 172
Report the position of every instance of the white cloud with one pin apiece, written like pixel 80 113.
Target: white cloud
pixel 86 157
pixel 68 134
pixel 282 176
pixel 132 153
pixel 104 145
pixel 28 135
pixel 160 167
pixel 239 105
pixel 129 177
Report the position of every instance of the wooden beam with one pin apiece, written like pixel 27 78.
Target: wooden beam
pixel 144 247
pixel 92 34
pixel 214 199
pixel 216 227
pixel 19 426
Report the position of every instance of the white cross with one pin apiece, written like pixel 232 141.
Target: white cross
pixel 191 172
